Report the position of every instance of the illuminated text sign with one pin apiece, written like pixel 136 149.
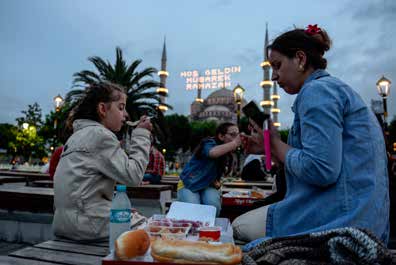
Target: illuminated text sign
pixel 212 78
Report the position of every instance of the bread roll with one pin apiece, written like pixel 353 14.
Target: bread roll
pixel 131 244
pixel 182 251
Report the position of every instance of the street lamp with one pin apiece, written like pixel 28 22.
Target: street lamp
pixel 383 87
pixel 58 102
pixel 25 125
pixel 238 96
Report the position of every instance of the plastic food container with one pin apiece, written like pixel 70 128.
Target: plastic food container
pixel 159 220
pixel 168 230
pixel 211 233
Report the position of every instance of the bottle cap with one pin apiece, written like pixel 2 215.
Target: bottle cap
pixel 121 188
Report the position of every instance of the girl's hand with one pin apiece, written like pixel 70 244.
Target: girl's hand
pixel 253 144
pixel 237 141
pixel 145 123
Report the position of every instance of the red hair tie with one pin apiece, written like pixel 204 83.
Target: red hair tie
pixel 313 29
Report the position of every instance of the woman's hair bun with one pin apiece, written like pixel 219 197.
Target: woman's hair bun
pixel 323 41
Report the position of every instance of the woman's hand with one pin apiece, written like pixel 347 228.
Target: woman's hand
pixel 279 149
pixel 145 123
pixel 275 136
pixel 254 143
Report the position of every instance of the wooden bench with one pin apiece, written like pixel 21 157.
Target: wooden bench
pixel 12 173
pixel 26 213
pixel 22 198
pixel 58 251
pixel 248 184
pixel 4 180
pixel 148 195
pixel 172 183
pixel 10 176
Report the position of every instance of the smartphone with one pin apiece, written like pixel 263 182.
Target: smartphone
pixel 251 110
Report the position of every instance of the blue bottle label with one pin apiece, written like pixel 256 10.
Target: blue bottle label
pixel 120 216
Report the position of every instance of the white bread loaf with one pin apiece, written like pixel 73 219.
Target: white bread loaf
pixel 182 251
pixel 131 244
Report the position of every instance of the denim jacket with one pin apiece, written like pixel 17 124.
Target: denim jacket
pixel 199 173
pixel 336 170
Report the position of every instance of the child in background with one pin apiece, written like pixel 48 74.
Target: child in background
pixel 207 165
pixel 156 167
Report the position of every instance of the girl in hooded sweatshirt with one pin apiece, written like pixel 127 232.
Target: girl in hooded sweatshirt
pixel 93 161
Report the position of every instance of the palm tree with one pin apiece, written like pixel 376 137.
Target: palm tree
pixel 139 85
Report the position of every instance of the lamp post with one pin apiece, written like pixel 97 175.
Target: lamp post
pixel 238 96
pixel 58 102
pixel 25 125
pixel 383 87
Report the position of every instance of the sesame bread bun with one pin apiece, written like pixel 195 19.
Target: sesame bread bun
pixel 131 244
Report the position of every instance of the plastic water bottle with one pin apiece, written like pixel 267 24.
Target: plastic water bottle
pixel 120 215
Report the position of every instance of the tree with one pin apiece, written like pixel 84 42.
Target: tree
pixel 139 85
pixel 27 142
pixel 284 134
pixel 200 130
pixel 181 131
pixel 32 116
pixel 56 133
pixel 8 134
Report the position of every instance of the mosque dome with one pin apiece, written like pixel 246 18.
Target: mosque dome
pixel 221 96
pixel 219 106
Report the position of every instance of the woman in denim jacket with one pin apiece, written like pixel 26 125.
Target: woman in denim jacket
pixel 207 165
pixel 335 159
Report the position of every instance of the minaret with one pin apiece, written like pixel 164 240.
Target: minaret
pixel 266 84
pixel 275 110
pixel 199 98
pixel 163 74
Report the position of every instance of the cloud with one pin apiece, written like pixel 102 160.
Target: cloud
pixel 10 107
pixel 154 52
pixel 222 3
pixel 249 57
pixel 380 9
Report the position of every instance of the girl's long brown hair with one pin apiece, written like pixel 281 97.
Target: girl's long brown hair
pixel 86 108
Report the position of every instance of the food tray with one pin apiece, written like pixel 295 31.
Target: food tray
pixel 226 236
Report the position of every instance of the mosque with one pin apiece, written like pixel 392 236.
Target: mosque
pixel 220 106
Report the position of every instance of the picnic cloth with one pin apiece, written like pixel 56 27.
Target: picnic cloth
pixel 337 246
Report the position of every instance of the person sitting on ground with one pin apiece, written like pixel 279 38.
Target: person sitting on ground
pixel 252 169
pixel 335 159
pixel 55 157
pixel 156 167
pixel 93 161
pixel 199 180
